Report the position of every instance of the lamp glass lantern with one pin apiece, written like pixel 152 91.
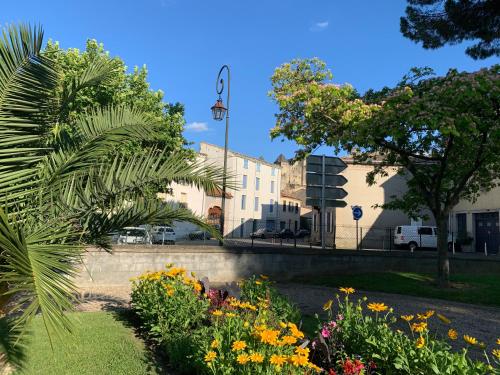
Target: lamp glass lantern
pixel 218 110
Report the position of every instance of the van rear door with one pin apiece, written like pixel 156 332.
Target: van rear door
pixel 427 237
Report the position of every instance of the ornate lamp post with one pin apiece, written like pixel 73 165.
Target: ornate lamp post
pixel 218 112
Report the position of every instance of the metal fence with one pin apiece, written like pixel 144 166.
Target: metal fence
pixel 259 233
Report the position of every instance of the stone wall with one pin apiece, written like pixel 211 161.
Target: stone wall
pixel 227 265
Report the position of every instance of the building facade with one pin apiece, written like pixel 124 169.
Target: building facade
pixel 254 202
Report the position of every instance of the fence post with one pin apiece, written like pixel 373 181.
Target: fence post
pixel 252 241
pixel 485 249
pixel 294 241
pixel 420 246
pixel 361 238
pixel 391 231
pixel 453 243
pixel 281 241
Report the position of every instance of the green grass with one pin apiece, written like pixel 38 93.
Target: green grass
pixel 476 289
pixel 100 344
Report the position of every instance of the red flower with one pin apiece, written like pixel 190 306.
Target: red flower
pixel 352 368
pixel 332 372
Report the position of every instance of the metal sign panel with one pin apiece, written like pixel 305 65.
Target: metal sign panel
pixel 330 192
pixel 330 169
pixel 328 202
pixel 330 180
pixel 329 161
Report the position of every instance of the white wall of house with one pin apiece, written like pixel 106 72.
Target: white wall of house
pixel 250 205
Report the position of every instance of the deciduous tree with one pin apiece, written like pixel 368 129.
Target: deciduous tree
pixel 444 132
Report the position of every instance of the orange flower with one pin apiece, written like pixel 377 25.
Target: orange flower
pixel 288 340
pixel 347 290
pixel 377 306
pixel 452 334
pixel 256 357
pixel 217 313
pixel 328 305
pixel 470 340
pixel 420 343
pixel 277 360
pixel 242 358
pixel 298 360
pixel 210 356
pixel 269 336
pixel 419 327
pixel 238 345
pixel 407 317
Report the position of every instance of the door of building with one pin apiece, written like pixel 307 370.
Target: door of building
pixel 487 232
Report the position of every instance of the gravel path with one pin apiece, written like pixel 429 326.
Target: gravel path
pixel 482 322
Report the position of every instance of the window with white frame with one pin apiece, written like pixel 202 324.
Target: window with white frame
pixel 256 205
pixel 244 181
pixel 272 186
pixel 273 171
pixel 257 183
pixel 257 167
pixel 245 163
pixel 243 202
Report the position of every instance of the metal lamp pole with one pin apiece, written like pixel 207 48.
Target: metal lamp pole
pixel 218 112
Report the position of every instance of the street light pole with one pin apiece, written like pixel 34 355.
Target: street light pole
pixel 218 111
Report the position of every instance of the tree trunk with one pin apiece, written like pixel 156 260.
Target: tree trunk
pixel 4 299
pixel 442 249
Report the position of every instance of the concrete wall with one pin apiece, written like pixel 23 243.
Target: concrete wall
pixel 228 265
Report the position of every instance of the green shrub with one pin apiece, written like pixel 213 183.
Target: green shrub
pixel 257 290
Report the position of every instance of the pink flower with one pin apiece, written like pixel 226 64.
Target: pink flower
pixel 332 324
pixel 325 332
pixel 340 317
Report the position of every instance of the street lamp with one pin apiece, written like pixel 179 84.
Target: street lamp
pixel 218 112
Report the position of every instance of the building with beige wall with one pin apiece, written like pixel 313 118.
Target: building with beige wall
pixel 254 202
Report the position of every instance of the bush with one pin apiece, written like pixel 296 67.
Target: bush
pixel 259 289
pixel 361 339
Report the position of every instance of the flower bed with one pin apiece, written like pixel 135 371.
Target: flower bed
pixel 209 332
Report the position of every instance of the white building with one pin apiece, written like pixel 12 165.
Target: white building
pixel 254 204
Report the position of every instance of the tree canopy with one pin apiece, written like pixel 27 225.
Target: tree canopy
pixel 439 22
pixel 444 132
pixel 120 88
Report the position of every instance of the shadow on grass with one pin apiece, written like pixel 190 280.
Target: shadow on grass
pixel 155 359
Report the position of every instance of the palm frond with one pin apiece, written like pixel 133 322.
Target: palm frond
pixel 38 261
pixel 26 80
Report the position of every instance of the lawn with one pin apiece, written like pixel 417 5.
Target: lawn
pixel 476 289
pixel 100 344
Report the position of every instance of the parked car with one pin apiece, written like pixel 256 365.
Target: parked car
pixel 199 235
pixel 134 235
pixel 163 234
pixel 286 233
pixel 414 237
pixel 301 233
pixel 263 233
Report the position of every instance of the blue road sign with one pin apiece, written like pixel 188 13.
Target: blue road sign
pixel 357 212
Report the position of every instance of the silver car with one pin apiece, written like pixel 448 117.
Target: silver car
pixel 134 235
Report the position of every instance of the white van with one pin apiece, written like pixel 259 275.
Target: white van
pixel 414 237
pixel 163 235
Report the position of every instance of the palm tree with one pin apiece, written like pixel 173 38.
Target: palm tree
pixel 55 200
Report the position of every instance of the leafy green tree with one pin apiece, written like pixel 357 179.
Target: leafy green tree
pixel 439 22
pixel 119 88
pixel 58 196
pixel 443 132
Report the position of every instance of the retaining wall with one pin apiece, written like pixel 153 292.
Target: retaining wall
pixel 227 265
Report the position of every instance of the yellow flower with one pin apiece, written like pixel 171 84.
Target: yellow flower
pixel 238 345
pixel 210 356
pixel 498 341
pixel 314 367
pixel 264 277
pixel 246 324
pixel 328 305
pixel 298 360
pixel 230 315
pixel 302 351
pixel 197 286
pixel 496 353
pixel 425 315
pixel 443 318
pixel 269 336
pixel 217 313
pixel 242 359
pixel 258 282
pixel 470 340
pixel 288 340
pixel 277 360
pixel 420 343
pixel 347 290
pixel 377 307
pixel 214 344
pixel 407 317
pixel 419 327
pixel 282 325
pixel 256 357
pixel 452 334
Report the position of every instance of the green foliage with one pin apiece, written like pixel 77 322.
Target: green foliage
pixel 64 181
pixel 439 22
pixel 119 88
pixel 354 331
pixel 258 289
pixel 443 133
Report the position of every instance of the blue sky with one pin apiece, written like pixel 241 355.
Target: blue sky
pixel 184 43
